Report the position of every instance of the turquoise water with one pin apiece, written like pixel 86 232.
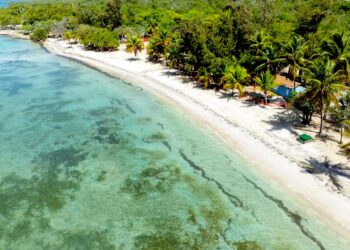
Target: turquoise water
pixel 5 3
pixel 90 162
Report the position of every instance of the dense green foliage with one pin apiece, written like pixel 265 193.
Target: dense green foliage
pixel 99 39
pixel 39 34
pixel 218 29
pixel 58 17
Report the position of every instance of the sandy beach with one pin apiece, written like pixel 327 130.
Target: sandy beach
pixel 264 136
pixel 14 34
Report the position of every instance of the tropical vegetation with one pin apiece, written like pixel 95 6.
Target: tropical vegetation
pixel 235 77
pixel 267 81
pixel 134 45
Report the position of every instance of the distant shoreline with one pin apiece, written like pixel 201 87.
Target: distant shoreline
pixel 238 125
pixel 14 34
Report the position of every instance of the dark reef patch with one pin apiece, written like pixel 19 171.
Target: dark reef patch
pixel 12 65
pixel 52 185
pixel 153 179
pixel 170 234
pixel 67 157
pixel 86 240
pixel 123 103
pixel 160 241
pixel 107 132
pixel 40 107
pixel 64 77
pixel 32 199
pixel 170 230
pixel 62 117
pixel 14 88
pixel 247 245
pixel 107 111
pixel 158 137
pixel 143 120
pixel 36 193
pixel 102 176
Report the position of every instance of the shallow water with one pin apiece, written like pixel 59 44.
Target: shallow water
pixel 90 162
pixel 5 3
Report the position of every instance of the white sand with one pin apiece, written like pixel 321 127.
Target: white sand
pixel 253 131
pixel 14 33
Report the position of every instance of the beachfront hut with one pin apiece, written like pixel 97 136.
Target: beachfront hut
pixel 286 86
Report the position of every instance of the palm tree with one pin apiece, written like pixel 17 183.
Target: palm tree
pixel 311 50
pixel 259 42
pixel 205 78
pixel 234 78
pixel 163 39
pixel 158 45
pixel 134 45
pixel 269 59
pixel 341 119
pixel 335 48
pixel 294 53
pixel 324 84
pixel 266 81
pixel 69 35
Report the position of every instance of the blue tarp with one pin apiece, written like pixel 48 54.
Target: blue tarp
pixel 283 91
pixel 286 92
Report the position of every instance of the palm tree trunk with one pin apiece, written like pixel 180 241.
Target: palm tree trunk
pixel 321 115
pixel 294 76
pixel 341 134
pixel 294 83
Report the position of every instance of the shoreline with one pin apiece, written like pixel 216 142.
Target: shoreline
pixel 206 108
pixel 14 33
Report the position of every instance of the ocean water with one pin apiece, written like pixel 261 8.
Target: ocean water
pixel 91 162
pixel 5 3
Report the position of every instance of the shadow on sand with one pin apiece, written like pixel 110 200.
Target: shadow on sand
pixel 333 171
pixel 133 59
